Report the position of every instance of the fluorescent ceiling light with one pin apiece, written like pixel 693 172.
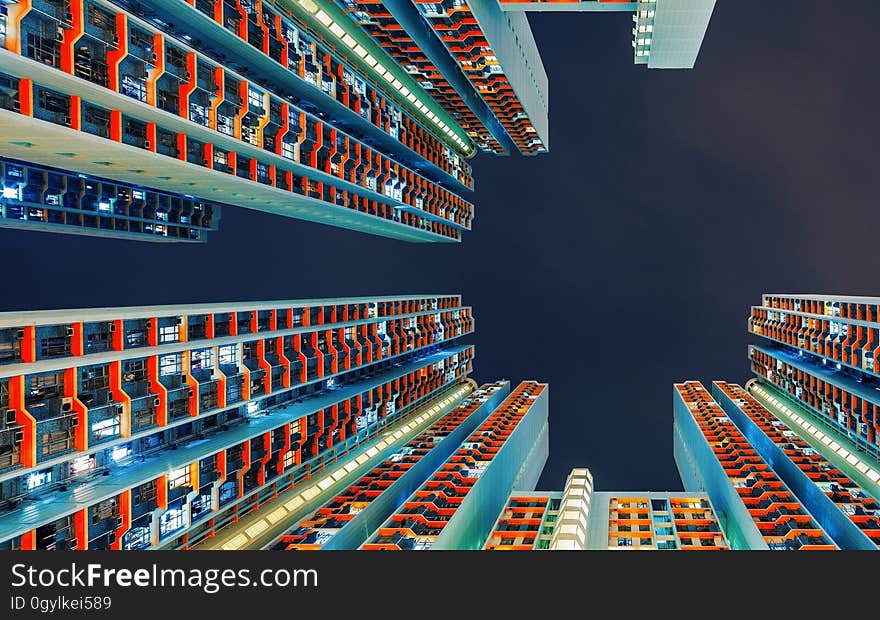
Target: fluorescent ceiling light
pixel 322 17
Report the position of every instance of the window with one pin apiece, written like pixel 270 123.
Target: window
pixel 169 365
pixel 38 479
pixel 170 521
pixel 202 359
pixel 136 538
pixel 178 478
pixel 288 459
pixel 659 505
pixel 255 99
pixel 169 333
pixel 82 464
pixel 106 428
pixel 135 338
pixel 228 354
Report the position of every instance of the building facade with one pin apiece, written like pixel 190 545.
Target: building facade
pixel 791 459
pixel 353 424
pixel 149 427
pixel 352 113
pixel 580 518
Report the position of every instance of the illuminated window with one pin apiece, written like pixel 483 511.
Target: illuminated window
pixel 82 464
pixel 202 359
pixel 228 354
pixel 169 333
pixel 169 365
pixel 106 428
pixel 170 521
pixel 38 479
pixel 178 478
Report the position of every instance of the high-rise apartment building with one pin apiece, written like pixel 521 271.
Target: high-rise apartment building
pixel 791 459
pixel 580 518
pixel 148 427
pixel 141 120
pixel 352 424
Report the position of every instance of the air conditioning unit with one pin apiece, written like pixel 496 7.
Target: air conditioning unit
pixel 70 331
pixel 18 436
pixel 74 422
pixel 117 523
pixel 149 324
pixel 119 409
pixel 147 144
pixel 66 404
pixel 156 402
pixel 9 416
pixel 112 327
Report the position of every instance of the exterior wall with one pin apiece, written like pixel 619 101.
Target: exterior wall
pixel 678 30
pixel 262 529
pixel 651 520
pixel 747 494
pixel 822 350
pixel 526 523
pixel 86 392
pixel 701 472
pixel 50 200
pixel 570 530
pixel 457 506
pixel 511 39
pixel 843 509
pixel 292 138
pixel 398 27
pixel 516 464
pixel 346 521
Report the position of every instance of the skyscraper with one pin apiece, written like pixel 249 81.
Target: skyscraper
pixel 352 424
pixel 148 427
pixel 791 459
pixel 142 119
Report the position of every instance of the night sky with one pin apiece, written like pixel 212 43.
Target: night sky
pixel 624 260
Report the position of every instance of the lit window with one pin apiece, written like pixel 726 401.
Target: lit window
pixel 106 428
pixel 228 354
pixel 178 478
pixel 169 333
pixel 169 365
pixel 170 521
pixel 82 464
pixel 38 479
pixel 202 359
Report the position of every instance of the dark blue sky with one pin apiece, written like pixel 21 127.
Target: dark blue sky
pixel 621 262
